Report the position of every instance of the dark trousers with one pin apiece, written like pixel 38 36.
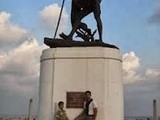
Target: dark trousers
pixel 84 117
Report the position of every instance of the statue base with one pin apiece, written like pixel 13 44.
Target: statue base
pixel 67 72
pixel 54 43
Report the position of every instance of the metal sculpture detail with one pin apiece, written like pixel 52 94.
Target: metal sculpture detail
pixel 79 10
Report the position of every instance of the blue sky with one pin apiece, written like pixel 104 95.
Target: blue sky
pixel 125 23
pixel 129 24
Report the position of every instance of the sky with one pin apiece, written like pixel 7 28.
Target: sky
pixel 132 25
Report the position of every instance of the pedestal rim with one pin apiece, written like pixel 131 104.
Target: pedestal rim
pixel 81 53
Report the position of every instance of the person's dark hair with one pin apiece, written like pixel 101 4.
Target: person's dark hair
pixel 60 102
pixel 88 92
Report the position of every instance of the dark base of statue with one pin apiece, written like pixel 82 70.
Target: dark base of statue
pixel 54 43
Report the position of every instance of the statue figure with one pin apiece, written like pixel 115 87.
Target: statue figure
pixel 80 9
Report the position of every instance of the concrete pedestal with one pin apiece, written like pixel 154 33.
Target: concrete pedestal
pixel 74 69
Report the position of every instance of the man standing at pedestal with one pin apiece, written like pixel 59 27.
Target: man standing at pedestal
pixel 90 109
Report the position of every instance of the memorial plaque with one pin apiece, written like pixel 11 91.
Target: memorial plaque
pixel 75 99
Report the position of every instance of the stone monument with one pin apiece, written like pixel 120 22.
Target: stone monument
pixel 69 68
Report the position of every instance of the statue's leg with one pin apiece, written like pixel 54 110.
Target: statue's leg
pixel 76 17
pixel 97 13
pixel 99 26
pixel 75 25
pixel 75 20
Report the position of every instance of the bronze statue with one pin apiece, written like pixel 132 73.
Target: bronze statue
pixel 80 9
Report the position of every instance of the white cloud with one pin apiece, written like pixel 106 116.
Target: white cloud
pixel 49 16
pixel 10 34
pixel 152 73
pixel 141 86
pixel 130 61
pixel 132 73
pixel 20 67
pixel 130 66
pixel 18 58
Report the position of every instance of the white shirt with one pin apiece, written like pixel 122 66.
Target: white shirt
pixel 92 106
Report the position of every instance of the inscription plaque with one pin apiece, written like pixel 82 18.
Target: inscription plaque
pixel 75 99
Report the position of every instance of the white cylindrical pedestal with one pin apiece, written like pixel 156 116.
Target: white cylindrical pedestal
pixel 74 69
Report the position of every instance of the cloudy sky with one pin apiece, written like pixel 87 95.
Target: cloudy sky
pixel 132 25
